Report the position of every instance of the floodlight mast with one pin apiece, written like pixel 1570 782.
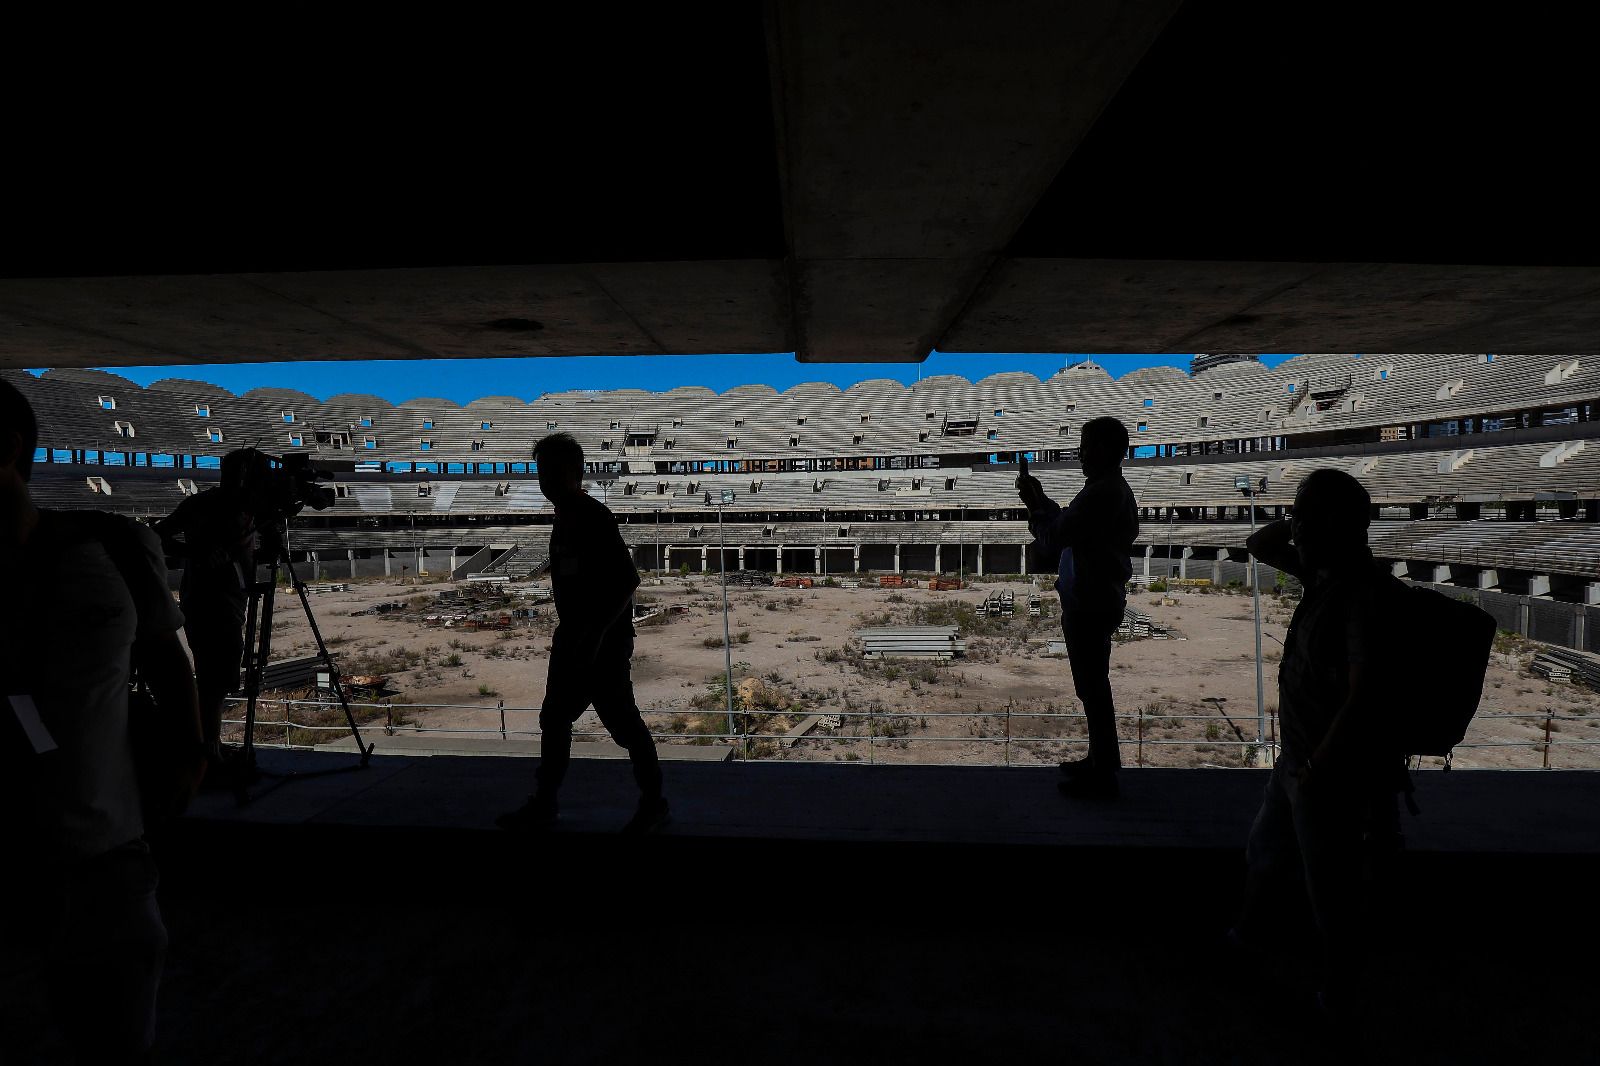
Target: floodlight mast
pixel 722 563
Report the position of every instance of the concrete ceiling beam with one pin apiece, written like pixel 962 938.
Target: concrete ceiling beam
pixel 924 133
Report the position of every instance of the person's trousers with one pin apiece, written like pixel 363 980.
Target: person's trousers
pixel 1089 651
pixel 216 640
pixel 94 933
pixel 1316 830
pixel 608 687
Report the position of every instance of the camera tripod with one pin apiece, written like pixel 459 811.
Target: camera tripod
pixel 258 650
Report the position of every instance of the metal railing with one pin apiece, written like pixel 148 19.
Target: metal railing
pixel 392 719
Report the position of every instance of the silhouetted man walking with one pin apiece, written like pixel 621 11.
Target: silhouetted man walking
pixel 1092 540
pixel 1333 788
pixel 592 578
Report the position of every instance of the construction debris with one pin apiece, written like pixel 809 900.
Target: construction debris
pixel 911 642
pixel 1000 605
pixel 1581 667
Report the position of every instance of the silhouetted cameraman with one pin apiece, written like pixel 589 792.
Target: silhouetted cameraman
pixel 213 532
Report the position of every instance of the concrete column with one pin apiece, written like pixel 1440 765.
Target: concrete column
pixel 666 559
pixel 1216 570
pixel 1398 568
pixel 1591 593
pixel 1024 560
pixel 1522 619
pixel 897 557
pixel 780 560
pixel 388 563
pixel 980 558
pixel 855 559
pixel 350 555
pixel 741 557
pixel 1149 549
pixel 1578 619
pixel 316 566
pixel 1489 579
pixel 816 559
pixel 937 567
pixel 452 560
pixel 1183 561
pixel 705 558
pixel 1441 575
pixel 1538 584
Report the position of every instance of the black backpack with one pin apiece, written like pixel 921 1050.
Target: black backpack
pixel 1439 668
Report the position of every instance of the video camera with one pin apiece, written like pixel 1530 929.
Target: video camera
pixel 280 486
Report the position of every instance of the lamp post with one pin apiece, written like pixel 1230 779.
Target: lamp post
pixel 722 563
pixel 1248 487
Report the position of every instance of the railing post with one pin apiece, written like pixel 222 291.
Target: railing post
pixel 1008 732
pixel 872 739
pixel 1139 760
pixel 502 719
pixel 388 716
pixel 1549 719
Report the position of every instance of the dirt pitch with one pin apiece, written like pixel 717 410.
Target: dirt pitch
pixel 794 657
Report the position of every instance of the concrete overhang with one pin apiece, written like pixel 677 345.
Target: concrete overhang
pixel 847 182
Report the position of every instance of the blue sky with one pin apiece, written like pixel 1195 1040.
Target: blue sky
pixel 463 380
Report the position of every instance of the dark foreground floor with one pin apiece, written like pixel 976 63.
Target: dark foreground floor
pixel 315 936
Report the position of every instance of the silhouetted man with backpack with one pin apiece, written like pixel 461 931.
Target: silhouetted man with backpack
pixel 1091 542
pixel 1331 799
pixel 592 578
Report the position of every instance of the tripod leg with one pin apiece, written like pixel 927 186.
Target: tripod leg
pixel 327 658
pixel 257 645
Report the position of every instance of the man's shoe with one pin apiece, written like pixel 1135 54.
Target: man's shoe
pixel 1076 767
pixel 1090 786
pixel 650 818
pixel 538 815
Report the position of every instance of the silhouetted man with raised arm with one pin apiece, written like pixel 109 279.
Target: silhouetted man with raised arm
pixel 1332 790
pixel 592 578
pixel 1091 540
pixel 91 600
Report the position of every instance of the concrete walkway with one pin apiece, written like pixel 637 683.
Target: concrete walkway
pixel 1464 811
